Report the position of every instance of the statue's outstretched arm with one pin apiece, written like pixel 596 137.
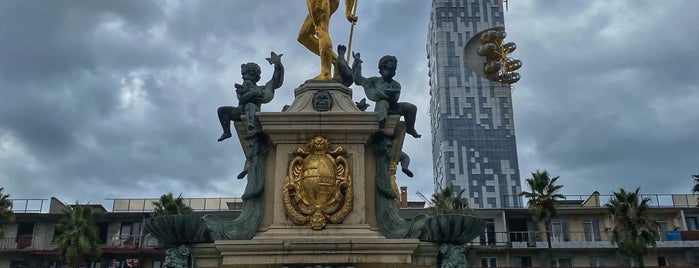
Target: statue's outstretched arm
pixel 278 75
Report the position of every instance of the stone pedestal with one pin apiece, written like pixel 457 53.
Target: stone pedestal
pixel 278 242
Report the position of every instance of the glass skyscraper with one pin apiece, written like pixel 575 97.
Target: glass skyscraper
pixel 473 135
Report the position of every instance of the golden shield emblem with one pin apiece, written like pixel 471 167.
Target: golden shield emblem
pixel 318 188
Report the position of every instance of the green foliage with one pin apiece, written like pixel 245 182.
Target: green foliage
pixel 6 215
pixel 169 205
pixel 695 188
pixel 448 201
pixel 634 230
pixel 542 198
pixel 78 235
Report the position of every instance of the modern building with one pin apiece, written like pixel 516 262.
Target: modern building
pixel 473 136
pixel 581 234
pixel 28 242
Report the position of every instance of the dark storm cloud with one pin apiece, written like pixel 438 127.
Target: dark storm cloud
pixel 117 99
pixel 608 95
pixel 82 104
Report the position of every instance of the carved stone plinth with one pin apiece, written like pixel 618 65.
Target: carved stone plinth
pixel 319 194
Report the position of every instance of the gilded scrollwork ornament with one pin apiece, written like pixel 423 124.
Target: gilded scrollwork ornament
pixel 318 188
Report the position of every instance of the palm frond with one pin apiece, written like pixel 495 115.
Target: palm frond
pixel 634 230
pixel 169 205
pixel 78 234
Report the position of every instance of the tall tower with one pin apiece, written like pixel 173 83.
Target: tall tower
pixel 473 135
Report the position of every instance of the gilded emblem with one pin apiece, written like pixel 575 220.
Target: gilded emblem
pixel 318 188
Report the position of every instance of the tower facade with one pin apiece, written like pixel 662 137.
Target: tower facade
pixel 473 136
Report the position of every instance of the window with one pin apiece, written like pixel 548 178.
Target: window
pixel 560 230
pixel 633 262
pixel 597 262
pixel 489 262
pixel 556 231
pixel 25 232
pixel 591 229
pixel 662 227
pixel 103 228
pixel 158 264
pixel 671 260
pixel 130 232
pixel 562 262
pixel 522 261
pixel 691 223
pixel 488 236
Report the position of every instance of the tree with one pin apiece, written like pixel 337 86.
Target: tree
pixel 695 189
pixel 634 230
pixel 169 205
pixel 6 215
pixel 448 201
pixel 78 235
pixel 542 199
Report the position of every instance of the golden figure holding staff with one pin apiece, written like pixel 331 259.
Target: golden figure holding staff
pixel 314 33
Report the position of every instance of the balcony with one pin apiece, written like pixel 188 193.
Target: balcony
pixel 599 200
pixel 132 242
pixel 24 243
pixel 579 240
pixel 21 242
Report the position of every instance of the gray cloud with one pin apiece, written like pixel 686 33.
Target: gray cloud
pixel 117 99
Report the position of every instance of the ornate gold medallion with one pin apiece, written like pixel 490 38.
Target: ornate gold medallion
pixel 318 187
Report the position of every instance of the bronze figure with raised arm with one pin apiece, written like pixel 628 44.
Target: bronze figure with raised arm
pixel 314 33
pixel 385 92
pixel 250 95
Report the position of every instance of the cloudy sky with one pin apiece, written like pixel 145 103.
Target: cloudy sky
pixel 117 99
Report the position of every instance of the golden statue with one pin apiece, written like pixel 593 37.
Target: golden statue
pixel 318 187
pixel 314 33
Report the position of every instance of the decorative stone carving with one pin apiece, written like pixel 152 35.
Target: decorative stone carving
pixel 451 256
pixel 245 225
pixel 178 257
pixel 322 101
pixel 318 188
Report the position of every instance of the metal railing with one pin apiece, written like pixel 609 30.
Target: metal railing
pixel 28 205
pixel 197 204
pixel 656 200
pixel 567 239
pixel 133 241
pixel 26 242
pixel 23 242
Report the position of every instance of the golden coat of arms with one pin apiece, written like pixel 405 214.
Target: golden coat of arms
pixel 318 187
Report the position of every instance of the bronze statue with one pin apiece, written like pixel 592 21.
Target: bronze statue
pixel 385 92
pixel 314 33
pixel 404 161
pixel 250 95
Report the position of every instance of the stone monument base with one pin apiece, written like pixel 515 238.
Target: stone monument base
pixel 355 242
pixel 332 252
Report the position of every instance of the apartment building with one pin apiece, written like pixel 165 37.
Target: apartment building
pixel 580 235
pixel 28 242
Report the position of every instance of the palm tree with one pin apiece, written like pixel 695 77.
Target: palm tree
pixel 169 205
pixel 695 189
pixel 634 230
pixel 78 235
pixel 448 201
pixel 542 199
pixel 6 215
